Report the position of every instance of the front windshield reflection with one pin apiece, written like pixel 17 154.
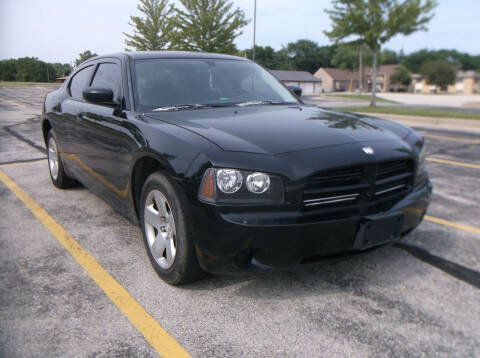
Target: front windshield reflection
pixel 193 83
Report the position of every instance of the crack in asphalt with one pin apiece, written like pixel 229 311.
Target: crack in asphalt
pixel 11 131
pixel 460 272
pixel 23 161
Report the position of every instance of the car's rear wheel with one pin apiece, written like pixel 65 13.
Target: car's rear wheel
pixel 167 237
pixel 55 165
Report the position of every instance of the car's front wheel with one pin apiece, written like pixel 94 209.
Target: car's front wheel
pixel 55 165
pixel 167 236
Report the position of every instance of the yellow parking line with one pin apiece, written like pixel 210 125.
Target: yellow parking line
pixel 158 338
pixel 453 162
pixel 468 228
pixel 456 139
pixel 13 103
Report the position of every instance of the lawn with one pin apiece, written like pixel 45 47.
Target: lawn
pixel 421 112
pixel 12 83
pixel 358 97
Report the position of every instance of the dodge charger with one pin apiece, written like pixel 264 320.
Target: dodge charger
pixel 225 169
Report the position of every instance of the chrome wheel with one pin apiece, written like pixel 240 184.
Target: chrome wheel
pixel 160 229
pixel 53 158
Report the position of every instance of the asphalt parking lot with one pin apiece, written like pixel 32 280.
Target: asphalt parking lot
pixel 417 299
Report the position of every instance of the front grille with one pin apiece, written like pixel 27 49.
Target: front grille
pixel 357 188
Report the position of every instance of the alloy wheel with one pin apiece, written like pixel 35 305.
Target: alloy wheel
pixel 160 229
pixel 53 158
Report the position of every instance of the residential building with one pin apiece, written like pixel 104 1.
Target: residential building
pixel 466 82
pixel 309 84
pixel 384 73
pixel 337 79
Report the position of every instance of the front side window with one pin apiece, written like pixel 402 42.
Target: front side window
pixel 109 75
pixel 79 82
pixel 176 82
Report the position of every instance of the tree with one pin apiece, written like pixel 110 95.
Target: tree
pixel 303 54
pixel 439 73
pixel 82 57
pixel 207 26
pixel 152 32
pixel 401 77
pixel 462 61
pixel 389 57
pixel 269 58
pixel 61 69
pixel 375 22
pixel 347 56
pixel 27 69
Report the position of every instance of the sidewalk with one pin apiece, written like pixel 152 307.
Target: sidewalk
pixel 465 125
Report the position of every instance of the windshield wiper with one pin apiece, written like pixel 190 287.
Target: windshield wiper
pixel 256 103
pixel 178 107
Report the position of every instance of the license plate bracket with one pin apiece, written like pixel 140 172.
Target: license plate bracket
pixel 379 229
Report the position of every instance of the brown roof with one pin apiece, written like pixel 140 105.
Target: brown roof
pixel 387 69
pixel 339 74
pixel 295 76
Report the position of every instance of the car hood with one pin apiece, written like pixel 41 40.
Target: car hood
pixel 281 129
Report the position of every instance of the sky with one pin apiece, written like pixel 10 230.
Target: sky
pixel 58 30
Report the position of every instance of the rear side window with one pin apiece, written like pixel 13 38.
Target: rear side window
pixel 108 75
pixel 79 82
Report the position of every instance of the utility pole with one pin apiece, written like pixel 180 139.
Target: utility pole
pixel 360 68
pixel 254 28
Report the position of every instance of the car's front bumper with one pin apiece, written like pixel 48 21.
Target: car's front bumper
pixel 238 243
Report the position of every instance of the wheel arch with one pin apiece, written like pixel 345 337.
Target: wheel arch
pixel 46 127
pixel 144 166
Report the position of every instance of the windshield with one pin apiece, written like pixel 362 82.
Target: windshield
pixel 194 83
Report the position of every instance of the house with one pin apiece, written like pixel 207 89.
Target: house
pixel 337 79
pixel 466 82
pixel 309 84
pixel 384 73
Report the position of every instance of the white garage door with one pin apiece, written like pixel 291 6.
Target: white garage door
pixel 307 88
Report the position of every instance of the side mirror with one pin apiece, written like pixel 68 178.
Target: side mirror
pixel 295 89
pixel 98 95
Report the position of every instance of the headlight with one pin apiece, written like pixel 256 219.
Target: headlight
pixel 421 161
pixel 229 180
pixel 224 186
pixel 258 183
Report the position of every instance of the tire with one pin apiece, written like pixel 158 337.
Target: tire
pixel 55 165
pixel 167 236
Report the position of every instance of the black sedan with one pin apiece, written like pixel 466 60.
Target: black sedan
pixel 226 170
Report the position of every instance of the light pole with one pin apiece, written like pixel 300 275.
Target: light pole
pixel 254 28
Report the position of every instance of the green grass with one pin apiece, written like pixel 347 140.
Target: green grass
pixel 421 112
pixel 12 83
pixel 359 97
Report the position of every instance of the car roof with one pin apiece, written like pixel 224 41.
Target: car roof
pixel 145 55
